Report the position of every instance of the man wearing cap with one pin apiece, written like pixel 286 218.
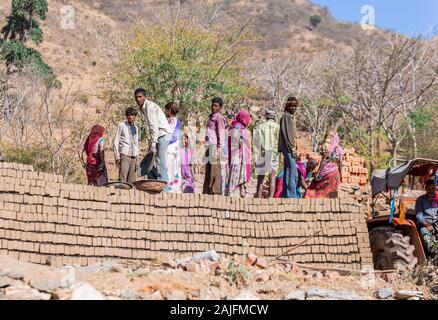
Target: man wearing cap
pixel 266 152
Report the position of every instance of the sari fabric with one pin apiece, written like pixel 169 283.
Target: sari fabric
pixel 239 143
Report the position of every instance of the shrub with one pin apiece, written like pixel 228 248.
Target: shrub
pixel 315 20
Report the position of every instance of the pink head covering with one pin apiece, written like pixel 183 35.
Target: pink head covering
pixel 243 118
pixel 334 148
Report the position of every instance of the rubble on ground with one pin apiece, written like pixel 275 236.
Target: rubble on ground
pixel 204 276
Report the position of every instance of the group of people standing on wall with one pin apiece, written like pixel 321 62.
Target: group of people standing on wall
pixel 228 153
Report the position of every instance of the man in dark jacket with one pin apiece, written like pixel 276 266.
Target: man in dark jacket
pixel 287 144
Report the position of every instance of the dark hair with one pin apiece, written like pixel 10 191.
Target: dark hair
pixel 140 91
pixel 292 102
pixel 430 182
pixel 131 112
pixel 217 100
pixel 173 107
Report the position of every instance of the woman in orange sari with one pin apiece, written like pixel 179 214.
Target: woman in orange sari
pixel 327 180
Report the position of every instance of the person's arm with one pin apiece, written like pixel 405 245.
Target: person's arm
pixel 116 144
pixel 220 136
pixel 303 182
pixel 102 152
pixel 152 118
pixel 84 164
pixel 421 220
pixel 340 168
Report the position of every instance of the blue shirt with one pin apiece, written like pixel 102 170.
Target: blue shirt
pixel 425 210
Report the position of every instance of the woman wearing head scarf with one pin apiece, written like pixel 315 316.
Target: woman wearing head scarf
pixel 239 143
pixel 327 180
pixel 94 148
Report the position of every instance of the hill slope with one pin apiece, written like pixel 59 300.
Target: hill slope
pixel 78 55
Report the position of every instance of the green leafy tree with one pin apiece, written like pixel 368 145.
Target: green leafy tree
pixel 22 24
pixel 183 62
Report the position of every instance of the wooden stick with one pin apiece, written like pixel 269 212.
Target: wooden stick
pixel 302 266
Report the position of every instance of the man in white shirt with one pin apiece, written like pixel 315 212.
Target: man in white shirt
pixel 126 147
pixel 159 135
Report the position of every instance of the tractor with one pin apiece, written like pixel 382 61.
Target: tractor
pixel 394 235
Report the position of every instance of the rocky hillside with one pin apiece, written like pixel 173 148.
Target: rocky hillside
pixel 79 55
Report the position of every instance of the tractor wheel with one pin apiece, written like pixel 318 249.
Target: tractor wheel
pixel 392 250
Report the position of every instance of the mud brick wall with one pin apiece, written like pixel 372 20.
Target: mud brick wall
pixel 43 219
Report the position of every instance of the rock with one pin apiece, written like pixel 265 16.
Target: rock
pixel 332 275
pixel 204 265
pixel 251 258
pixel 176 295
pixel 45 285
pixel 309 273
pixel 207 255
pixel 61 294
pixel 8 282
pixel 434 290
pixel 25 292
pixel 155 296
pixel 85 291
pixel 68 277
pixel 193 267
pixel 390 277
pixel 296 271
pixel 210 294
pixel 414 298
pixel 295 295
pixel 406 294
pixel 14 275
pixel 318 275
pixel 245 295
pixel 262 263
pixel 385 293
pixel 332 295
pixel 130 295
pixel 261 277
pixel 170 263
pixel 195 293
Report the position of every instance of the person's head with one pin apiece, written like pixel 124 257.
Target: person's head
pixel 140 96
pixel 216 104
pixel 97 131
pixel 311 165
pixel 292 105
pixel 131 114
pixel 230 118
pixel 171 109
pixel 430 188
pixel 270 114
pixel 185 140
pixel 243 118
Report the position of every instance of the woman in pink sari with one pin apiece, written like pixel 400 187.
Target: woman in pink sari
pixel 94 148
pixel 239 144
pixel 328 178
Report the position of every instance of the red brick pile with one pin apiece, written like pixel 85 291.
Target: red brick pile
pixel 354 169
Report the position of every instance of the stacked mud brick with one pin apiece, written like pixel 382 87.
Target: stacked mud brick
pixel 354 169
pixel 360 194
pixel 45 220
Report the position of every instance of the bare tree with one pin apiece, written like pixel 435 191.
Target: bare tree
pixel 280 77
pixel 379 86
